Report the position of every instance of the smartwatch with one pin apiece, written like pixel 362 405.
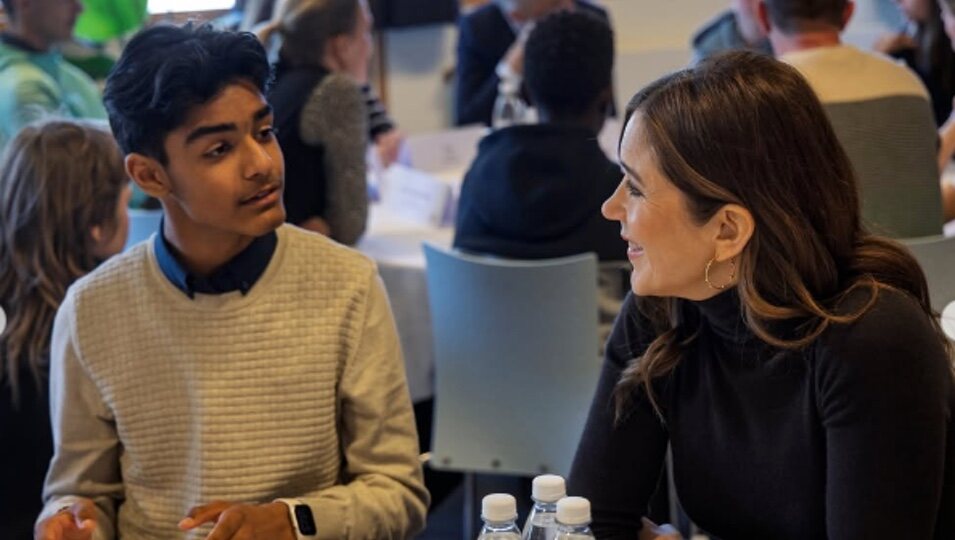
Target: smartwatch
pixel 302 518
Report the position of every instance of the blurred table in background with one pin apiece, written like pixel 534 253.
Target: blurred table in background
pixel 395 244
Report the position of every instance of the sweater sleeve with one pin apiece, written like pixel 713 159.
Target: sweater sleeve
pixel 379 122
pixel 618 464
pixel 85 442
pixel 336 117
pixel 383 495
pixel 884 390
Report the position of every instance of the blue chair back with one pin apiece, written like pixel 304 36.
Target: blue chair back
pixel 936 256
pixel 516 360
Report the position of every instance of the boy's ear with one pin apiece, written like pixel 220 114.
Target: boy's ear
pixel 148 174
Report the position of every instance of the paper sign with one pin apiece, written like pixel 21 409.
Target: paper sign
pixel 448 150
pixel 416 196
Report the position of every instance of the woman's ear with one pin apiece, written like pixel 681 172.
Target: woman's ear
pixel 735 228
pixel 97 233
pixel 148 174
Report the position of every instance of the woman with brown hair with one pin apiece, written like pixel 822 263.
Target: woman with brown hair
pixel 63 198
pixel 789 359
pixel 320 113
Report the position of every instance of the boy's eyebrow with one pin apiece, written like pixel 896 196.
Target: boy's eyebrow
pixel 202 131
pixel 262 113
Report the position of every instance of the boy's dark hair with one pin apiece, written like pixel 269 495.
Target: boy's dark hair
pixel 568 62
pixel 166 70
pixel 793 16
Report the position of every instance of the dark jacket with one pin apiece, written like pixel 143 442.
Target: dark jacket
pixel 24 455
pixel 535 192
pixel 305 180
pixel 484 36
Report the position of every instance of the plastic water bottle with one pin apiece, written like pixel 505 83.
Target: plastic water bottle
pixel 573 519
pixel 499 512
pixel 509 108
pixel 541 524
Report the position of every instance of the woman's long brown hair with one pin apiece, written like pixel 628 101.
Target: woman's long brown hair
pixel 746 129
pixel 57 180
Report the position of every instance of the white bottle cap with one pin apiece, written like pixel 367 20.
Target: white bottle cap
pixel 498 507
pixel 573 511
pixel 548 488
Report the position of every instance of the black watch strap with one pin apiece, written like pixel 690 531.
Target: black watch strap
pixel 305 520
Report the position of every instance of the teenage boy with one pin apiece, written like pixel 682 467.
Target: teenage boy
pixel 232 377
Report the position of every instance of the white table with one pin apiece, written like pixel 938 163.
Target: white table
pixel 395 244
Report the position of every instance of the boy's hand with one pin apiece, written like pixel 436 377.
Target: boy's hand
pixel 235 521
pixel 76 522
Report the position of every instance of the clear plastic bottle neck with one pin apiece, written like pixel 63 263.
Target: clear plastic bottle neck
pixel 500 529
pixel 573 532
pixel 541 522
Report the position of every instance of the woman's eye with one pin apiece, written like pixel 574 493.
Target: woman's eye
pixel 267 133
pixel 633 190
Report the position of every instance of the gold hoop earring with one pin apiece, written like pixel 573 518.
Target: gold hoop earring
pixel 706 274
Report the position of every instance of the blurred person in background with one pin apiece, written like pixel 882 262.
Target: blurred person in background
pixel 880 110
pixel 63 198
pixel 736 28
pixel 927 50
pixel 35 80
pixel 491 47
pixel 320 112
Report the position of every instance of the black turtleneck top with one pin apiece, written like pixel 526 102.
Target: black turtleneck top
pixel 849 438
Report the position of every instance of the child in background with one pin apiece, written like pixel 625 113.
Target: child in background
pixel 63 199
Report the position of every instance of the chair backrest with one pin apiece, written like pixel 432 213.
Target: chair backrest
pixel 515 345
pixel 142 223
pixel 936 256
pixel 891 143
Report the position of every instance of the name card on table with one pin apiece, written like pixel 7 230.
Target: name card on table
pixel 417 196
pixel 448 150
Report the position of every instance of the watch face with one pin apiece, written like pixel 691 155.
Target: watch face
pixel 306 523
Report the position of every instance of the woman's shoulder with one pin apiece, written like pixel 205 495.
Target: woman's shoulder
pixel 886 312
pixel 894 338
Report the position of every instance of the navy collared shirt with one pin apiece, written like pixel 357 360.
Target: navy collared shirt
pixel 239 274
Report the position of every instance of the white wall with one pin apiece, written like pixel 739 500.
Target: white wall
pixel 652 39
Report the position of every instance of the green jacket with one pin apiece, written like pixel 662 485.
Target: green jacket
pixel 38 84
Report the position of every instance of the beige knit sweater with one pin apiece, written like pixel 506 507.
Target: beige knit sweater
pixel 295 390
